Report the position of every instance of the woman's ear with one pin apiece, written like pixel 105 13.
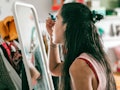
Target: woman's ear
pixel 64 27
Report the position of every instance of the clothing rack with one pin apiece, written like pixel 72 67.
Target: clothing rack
pixel 8 75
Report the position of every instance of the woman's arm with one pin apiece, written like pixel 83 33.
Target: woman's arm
pixel 55 64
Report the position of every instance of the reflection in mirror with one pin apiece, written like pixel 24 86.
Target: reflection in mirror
pixel 35 73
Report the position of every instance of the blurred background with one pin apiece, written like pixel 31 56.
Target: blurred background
pixel 108 28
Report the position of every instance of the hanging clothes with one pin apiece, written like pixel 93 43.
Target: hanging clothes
pixel 25 85
pixel 8 75
pixel 7 29
pixel 13 55
pixel 16 57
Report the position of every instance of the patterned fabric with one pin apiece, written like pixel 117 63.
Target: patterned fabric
pixel 13 55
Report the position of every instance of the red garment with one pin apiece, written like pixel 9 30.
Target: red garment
pixel 14 56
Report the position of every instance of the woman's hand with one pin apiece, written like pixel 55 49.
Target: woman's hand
pixel 49 25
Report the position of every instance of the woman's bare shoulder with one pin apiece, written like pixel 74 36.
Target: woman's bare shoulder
pixel 81 75
pixel 79 66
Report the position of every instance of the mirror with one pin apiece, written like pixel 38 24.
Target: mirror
pixel 32 47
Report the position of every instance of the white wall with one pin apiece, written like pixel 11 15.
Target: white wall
pixel 43 7
pixel 6 8
pixel 108 40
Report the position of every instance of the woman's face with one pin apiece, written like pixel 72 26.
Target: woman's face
pixel 59 29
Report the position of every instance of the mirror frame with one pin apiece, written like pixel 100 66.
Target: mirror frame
pixel 40 38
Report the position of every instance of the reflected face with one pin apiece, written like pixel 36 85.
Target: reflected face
pixel 59 29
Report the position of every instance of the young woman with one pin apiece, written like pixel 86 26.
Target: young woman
pixel 85 66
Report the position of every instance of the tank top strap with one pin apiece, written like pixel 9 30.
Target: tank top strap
pixel 91 66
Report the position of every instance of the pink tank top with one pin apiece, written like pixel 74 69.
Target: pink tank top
pixel 97 69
